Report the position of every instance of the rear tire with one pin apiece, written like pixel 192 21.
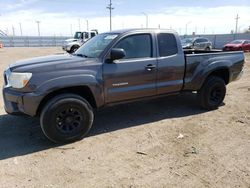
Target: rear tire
pixel 66 118
pixel 212 93
pixel 207 49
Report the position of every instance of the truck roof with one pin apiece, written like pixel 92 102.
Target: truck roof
pixel 140 30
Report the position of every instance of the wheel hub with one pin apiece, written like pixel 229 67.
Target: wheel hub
pixel 68 120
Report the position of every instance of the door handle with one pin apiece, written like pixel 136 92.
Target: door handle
pixel 150 67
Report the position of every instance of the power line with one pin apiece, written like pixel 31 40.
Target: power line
pixel 110 14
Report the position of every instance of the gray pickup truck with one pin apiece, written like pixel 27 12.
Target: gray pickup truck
pixel 113 68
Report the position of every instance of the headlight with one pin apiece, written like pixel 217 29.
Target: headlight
pixel 19 80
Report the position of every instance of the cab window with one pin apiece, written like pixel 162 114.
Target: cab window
pixel 167 44
pixel 136 46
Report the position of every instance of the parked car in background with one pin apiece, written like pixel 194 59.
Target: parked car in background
pixel 71 45
pixel 237 45
pixel 1 45
pixel 197 43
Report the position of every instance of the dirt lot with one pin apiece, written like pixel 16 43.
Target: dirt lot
pixel 134 145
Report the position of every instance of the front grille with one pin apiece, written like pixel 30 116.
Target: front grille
pixel 7 73
pixel 5 79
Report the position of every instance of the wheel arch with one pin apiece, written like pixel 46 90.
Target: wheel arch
pixel 222 73
pixel 83 91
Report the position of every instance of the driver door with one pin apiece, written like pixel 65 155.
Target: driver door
pixel 134 76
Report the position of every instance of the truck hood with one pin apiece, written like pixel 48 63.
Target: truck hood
pixel 70 40
pixel 50 62
pixel 233 45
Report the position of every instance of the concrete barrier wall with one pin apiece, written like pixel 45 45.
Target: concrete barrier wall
pixel 31 41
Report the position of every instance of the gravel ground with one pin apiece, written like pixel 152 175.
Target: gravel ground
pixel 166 142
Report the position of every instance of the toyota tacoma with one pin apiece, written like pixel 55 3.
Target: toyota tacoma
pixel 112 68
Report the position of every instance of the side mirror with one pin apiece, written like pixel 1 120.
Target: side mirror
pixel 117 53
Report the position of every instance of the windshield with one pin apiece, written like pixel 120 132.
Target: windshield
pixel 187 40
pixel 94 47
pixel 237 42
pixel 77 35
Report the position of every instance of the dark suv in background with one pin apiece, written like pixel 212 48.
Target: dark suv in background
pixel 197 43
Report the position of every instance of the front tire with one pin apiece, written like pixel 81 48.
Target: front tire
pixel 212 93
pixel 66 118
pixel 73 49
pixel 208 49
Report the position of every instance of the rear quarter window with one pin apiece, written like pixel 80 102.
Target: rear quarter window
pixel 204 40
pixel 167 44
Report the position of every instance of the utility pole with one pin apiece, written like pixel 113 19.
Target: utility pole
pixel 110 14
pixel 21 30
pixel 236 25
pixel 146 19
pixel 38 27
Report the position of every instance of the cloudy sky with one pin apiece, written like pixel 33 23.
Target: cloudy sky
pixel 57 17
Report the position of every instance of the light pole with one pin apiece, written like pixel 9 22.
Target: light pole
pixel 21 30
pixel 179 31
pixel 146 18
pixel 87 24
pixel 13 30
pixel 79 24
pixel 71 30
pixel 110 14
pixel 38 27
pixel 187 26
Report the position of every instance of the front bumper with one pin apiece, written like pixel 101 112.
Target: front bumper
pixel 66 48
pixel 20 103
pixel 231 48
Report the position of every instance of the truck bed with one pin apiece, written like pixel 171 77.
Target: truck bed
pixel 191 51
pixel 198 61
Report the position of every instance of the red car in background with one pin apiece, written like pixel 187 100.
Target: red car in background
pixel 238 45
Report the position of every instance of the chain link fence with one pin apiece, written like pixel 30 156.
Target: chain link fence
pixel 32 41
pixel 218 40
